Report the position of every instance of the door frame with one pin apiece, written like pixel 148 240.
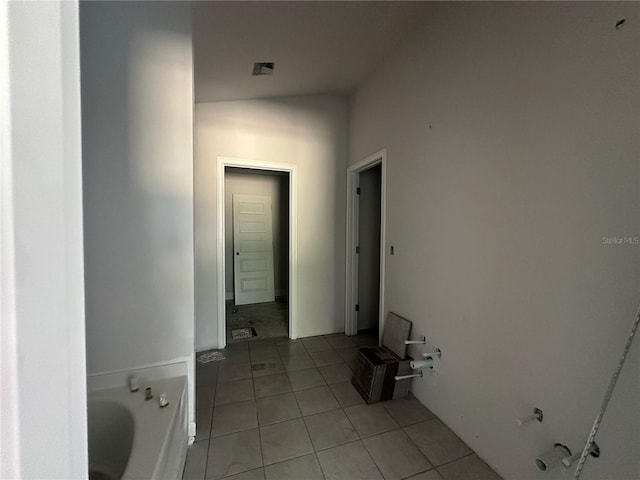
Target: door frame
pixel 223 162
pixel 353 180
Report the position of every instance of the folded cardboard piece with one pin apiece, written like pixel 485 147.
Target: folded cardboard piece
pixel 376 367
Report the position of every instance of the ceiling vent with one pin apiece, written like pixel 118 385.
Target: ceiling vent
pixel 262 68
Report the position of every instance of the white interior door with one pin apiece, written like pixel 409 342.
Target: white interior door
pixel 253 250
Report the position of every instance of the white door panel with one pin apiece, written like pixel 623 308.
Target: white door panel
pixel 253 249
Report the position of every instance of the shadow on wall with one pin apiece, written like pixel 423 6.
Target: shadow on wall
pixel 137 174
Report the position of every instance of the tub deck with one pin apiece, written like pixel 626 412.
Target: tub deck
pixel 160 434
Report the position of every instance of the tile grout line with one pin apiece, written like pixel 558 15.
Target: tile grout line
pixel 339 444
pixel 213 403
pixel 404 427
pixel 434 466
pixel 302 417
pixel 454 460
pixel 400 428
pixel 424 471
pixel 258 426
pixel 315 450
pixel 275 423
pixel 364 445
pixel 313 447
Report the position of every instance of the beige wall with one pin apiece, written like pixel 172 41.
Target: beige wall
pixel 310 132
pixel 512 139
pixel 276 186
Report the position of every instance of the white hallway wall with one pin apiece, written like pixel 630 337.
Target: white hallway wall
pixel 310 132
pixel 137 99
pixel 512 137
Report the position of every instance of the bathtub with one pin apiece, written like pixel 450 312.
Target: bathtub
pixel 131 438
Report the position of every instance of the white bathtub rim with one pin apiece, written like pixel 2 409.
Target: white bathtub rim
pixel 152 424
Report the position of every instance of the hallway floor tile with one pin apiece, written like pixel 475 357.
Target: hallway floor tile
pixel 268 411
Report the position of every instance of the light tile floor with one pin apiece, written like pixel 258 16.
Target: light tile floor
pixel 282 409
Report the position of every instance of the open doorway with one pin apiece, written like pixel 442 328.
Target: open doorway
pixel 256 254
pixel 366 245
pixel 368 249
pixel 286 198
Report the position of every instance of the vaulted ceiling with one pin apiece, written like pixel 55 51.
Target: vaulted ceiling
pixel 317 47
